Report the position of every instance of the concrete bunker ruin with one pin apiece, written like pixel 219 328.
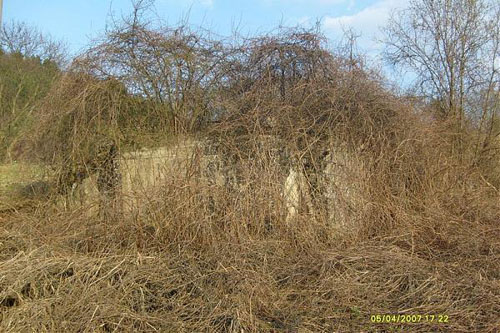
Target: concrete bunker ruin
pixel 336 192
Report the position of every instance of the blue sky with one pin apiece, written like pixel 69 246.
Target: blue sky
pixel 76 21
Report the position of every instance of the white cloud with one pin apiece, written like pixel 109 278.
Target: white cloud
pixel 366 22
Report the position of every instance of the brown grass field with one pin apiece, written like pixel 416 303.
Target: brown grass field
pixel 399 231
pixel 173 264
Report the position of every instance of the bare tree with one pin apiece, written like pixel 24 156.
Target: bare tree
pixel 19 37
pixel 452 46
pixel 173 68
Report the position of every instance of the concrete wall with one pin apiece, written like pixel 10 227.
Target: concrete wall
pixel 143 171
pixel 342 181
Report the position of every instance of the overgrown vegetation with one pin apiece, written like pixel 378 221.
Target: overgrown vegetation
pixel 29 63
pixel 414 228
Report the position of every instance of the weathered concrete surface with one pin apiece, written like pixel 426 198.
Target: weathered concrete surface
pixel 291 193
pixel 342 182
pixel 145 170
pixel 345 177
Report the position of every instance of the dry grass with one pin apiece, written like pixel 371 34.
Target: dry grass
pixel 198 256
pixel 178 264
pixel 16 184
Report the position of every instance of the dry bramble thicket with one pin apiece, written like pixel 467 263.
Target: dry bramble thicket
pixel 419 235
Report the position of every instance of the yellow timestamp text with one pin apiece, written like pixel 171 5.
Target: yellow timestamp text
pixel 409 318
